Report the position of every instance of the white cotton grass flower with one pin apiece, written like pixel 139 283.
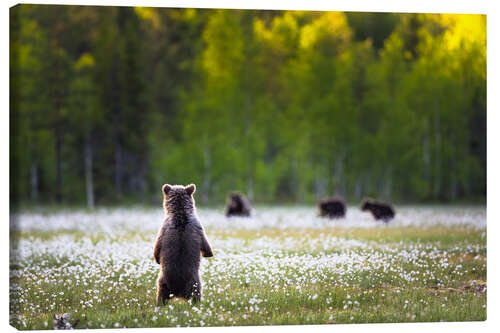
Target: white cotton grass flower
pixel 109 267
pixel 124 220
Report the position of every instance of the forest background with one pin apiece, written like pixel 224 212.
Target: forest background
pixel 109 103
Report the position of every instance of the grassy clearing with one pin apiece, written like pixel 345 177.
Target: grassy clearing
pixel 257 277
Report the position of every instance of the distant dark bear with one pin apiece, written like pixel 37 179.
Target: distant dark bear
pixel 61 322
pixel 332 208
pixel 379 210
pixel 237 205
pixel 179 243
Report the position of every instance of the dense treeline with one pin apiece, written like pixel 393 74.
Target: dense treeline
pixel 109 103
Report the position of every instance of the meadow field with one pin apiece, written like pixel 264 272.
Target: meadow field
pixel 284 265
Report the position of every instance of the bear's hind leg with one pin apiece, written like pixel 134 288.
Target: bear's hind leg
pixel 196 292
pixel 163 293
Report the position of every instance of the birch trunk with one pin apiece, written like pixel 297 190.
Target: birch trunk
pixel 89 183
pixel 437 157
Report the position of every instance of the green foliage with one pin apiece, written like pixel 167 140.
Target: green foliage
pixel 283 105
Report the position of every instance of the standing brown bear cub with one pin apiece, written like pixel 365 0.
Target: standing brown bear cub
pixel 179 243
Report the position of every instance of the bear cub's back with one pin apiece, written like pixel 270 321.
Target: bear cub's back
pixel 182 245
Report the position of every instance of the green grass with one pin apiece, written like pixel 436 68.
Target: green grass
pixel 263 277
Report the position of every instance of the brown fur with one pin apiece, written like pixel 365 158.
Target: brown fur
pixel 179 243
pixel 380 211
pixel 237 205
pixel 332 207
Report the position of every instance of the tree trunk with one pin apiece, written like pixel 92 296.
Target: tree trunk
pixel 207 181
pixel 437 156
pixel 58 129
pixel 388 183
pixel 144 166
pixel 250 185
pixel 118 167
pixel 89 183
pixel 58 153
pixel 426 154
pixel 453 170
pixel 34 168
pixel 294 181
pixel 117 118
pixel 358 188
pixel 34 181
pixel 338 174
pixel 319 183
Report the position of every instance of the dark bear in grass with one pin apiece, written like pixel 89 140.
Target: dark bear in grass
pixel 61 322
pixel 332 208
pixel 380 211
pixel 179 243
pixel 237 205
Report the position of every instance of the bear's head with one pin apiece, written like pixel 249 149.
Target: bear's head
pixel 235 199
pixel 178 198
pixel 234 196
pixel 366 204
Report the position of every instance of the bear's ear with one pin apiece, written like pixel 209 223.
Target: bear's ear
pixel 190 189
pixel 166 188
